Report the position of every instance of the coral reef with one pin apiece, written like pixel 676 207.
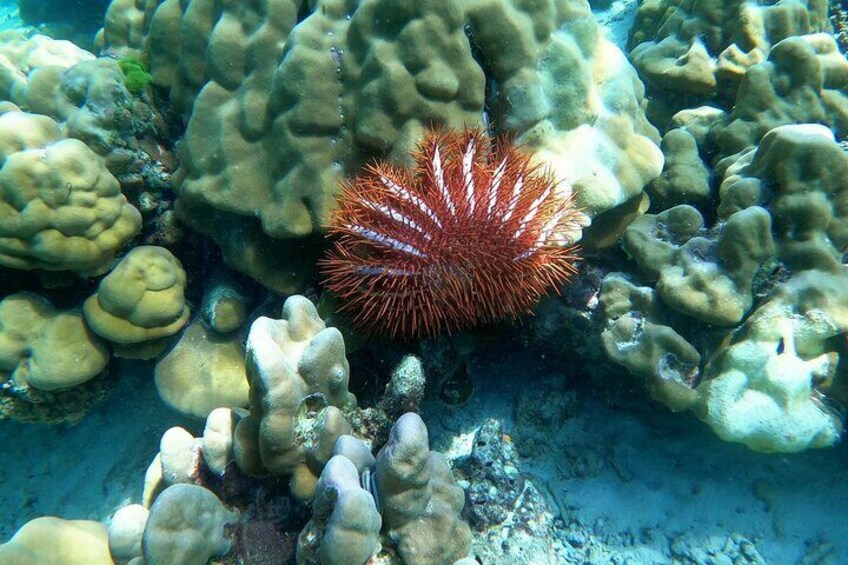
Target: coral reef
pixel 445 157
pixel 267 144
pixel 203 371
pixel 420 504
pixel 298 376
pixel 49 539
pixel 765 383
pixel 36 381
pixel 60 208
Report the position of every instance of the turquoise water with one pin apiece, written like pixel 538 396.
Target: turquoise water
pixel 437 282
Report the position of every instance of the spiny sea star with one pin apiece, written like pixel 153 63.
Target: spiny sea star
pixel 475 234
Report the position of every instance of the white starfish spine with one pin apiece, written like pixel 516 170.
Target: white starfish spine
pixel 398 217
pixel 467 175
pixel 531 212
pixel 404 194
pixel 497 178
pixel 548 229
pixel 381 239
pixel 513 202
pixel 439 173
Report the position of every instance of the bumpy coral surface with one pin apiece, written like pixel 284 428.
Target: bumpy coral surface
pixel 280 108
pixel 770 270
pixel 37 341
pixel 472 235
pixel 60 208
pixel 140 302
pixel 298 376
pixel 186 525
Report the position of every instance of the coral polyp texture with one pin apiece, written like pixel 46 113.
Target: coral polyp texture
pixel 475 233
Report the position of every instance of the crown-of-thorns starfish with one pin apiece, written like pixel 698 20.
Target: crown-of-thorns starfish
pixel 474 234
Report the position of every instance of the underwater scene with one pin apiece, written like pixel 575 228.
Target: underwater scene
pixel 423 282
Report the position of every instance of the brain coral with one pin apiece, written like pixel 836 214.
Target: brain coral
pixel 60 208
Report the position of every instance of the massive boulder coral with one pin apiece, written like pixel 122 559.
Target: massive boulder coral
pixel 298 376
pixel 771 269
pixel 37 381
pixel 421 505
pixel 798 172
pixel 590 129
pixel 804 80
pixel 89 98
pixel 203 371
pixel 640 336
pixel 765 389
pixel 37 339
pixel 705 275
pixel 21 53
pixel 140 303
pixel 186 525
pixel 63 542
pixel 60 208
pixel 326 114
pixel 280 111
pixel 686 48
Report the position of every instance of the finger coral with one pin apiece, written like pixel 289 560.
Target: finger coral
pixel 475 233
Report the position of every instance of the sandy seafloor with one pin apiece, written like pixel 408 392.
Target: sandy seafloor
pixel 649 476
pixel 637 473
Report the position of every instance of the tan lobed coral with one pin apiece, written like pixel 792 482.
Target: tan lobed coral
pixel 37 341
pixel 186 525
pixel 58 542
pixel 202 372
pixel 21 53
pixel 60 208
pixel 298 376
pixel 279 111
pixel 421 505
pixel 140 303
pixel 50 362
